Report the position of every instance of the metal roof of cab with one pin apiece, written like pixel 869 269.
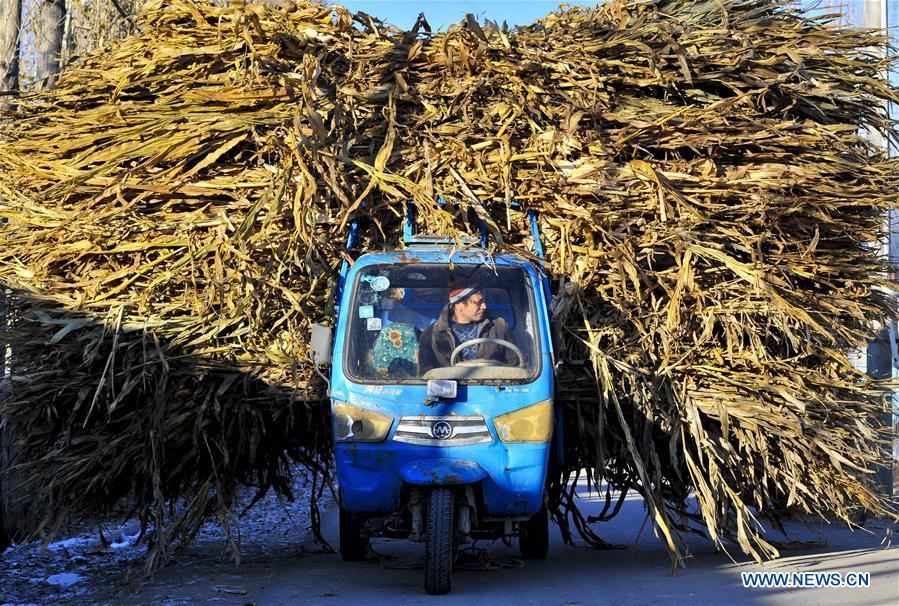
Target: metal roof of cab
pixel 441 254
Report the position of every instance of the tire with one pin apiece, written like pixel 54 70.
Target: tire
pixel 353 541
pixel 439 542
pixel 533 536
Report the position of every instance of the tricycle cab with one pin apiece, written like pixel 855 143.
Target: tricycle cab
pixel 490 437
pixel 393 297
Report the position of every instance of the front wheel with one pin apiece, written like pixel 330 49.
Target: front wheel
pixel 353 540
pixel 533 536
pixel 439 542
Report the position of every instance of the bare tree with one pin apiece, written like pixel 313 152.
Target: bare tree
pixel 50 17
pixel 10 22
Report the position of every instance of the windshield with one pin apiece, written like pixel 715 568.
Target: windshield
pixel 410 323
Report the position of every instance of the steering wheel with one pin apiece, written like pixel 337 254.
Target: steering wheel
pixel 501 342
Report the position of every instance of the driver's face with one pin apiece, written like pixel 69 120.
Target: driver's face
pixel 472 309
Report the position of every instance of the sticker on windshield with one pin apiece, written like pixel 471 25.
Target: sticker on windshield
pixel 366 311
pixel 379 283
pixel 373 324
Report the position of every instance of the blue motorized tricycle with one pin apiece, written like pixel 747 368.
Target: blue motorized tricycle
pixel 452 450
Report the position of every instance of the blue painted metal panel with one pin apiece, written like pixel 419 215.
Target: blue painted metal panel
pixel 345 266
pixel 535 233
pixel 371 475
pixel 442 471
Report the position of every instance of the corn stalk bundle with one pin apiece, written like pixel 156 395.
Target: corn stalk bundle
pixel 176 210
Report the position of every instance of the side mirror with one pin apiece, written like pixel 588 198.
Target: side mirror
pixel 320 345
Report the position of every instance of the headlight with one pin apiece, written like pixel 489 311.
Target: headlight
pixel 531 424
pixel 355 424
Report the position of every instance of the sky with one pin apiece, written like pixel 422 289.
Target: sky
pixel 441 13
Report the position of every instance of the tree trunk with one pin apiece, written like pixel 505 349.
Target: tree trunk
pixel 51 20
pixel 5 526
pixel 17 518
pixel 8 527
pixel 10 22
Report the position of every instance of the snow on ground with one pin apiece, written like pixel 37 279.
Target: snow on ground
pixel 80 569
pixel 281 566
pixel 636 574
pixel 64 580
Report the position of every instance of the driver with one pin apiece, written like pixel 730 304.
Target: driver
pixel 462 319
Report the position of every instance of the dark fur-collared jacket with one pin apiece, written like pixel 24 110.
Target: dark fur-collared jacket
pixel 438 342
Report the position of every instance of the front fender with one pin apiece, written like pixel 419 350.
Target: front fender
pixel 430 472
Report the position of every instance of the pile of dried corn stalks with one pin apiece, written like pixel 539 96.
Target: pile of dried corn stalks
pixel 176 209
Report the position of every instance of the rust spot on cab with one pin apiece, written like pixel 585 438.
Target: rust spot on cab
pixel 404 258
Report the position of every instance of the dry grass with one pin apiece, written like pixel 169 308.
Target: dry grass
pixel 177 205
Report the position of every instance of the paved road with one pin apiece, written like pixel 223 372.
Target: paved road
pixel 637 574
